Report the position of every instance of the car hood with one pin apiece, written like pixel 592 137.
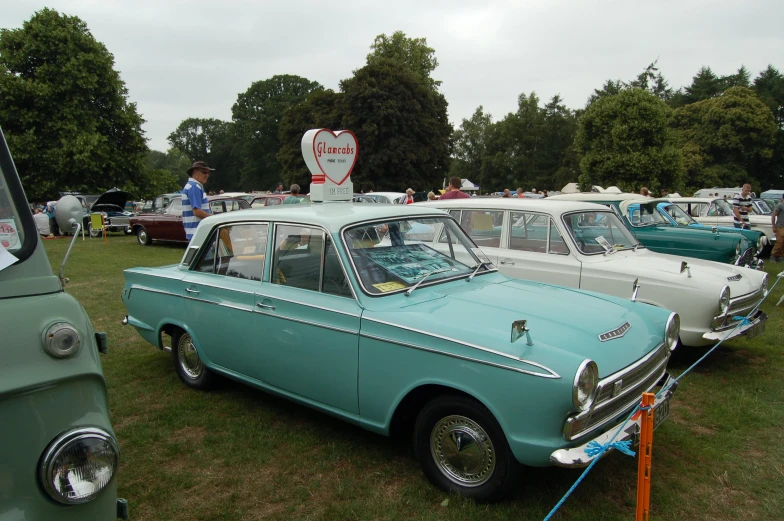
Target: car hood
pixel 564 324
pixel 114 196
pixel 667 268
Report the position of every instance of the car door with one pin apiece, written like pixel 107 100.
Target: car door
pixel 169 222
pixel 219 293
pixel 309 320
pixel 535 249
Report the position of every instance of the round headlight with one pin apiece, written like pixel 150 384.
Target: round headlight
pixel 765 285
pixel 585 383
pixel 672 331
pixel 724 300
pixel 61 340
pixel 78 464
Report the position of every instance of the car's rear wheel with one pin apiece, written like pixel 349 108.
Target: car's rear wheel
pixel 462 448
pixel 187 363
pixel 142 237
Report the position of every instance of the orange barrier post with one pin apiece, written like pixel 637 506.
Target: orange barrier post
pixel 644 461
pixel 103 222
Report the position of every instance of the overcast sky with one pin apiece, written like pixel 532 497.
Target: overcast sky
pixel 183 59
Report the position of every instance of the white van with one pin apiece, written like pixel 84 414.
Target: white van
pixel 719 192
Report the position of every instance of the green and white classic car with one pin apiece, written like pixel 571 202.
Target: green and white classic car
pixel 58 452
pixel 347 309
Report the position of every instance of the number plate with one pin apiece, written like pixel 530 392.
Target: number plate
pixel 755 330
pixel 660 412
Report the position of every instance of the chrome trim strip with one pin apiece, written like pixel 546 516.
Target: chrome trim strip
pixel 459 357
pixel 217 303
pixel 199 283
pixel 308 322
pixel 552 374
pixel 275 297
pixel 151 290
pixel 347 250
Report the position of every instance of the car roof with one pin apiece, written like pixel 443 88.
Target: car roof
pixel 513 203
pixel 591 196
pixel 388 194
pixel 332 216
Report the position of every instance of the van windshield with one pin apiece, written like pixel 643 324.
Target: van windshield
pixel 12 236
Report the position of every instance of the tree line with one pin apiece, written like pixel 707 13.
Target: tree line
pixel 66 116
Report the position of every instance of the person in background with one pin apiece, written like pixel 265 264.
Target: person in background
pixel 278 189
pixel 195 206
pixel 409 196
pixel 431 196
pixel 777 220
pixel 49 212
pixel 42 223
pixel 506 193
pixel 544 194
pixel 294 198
pixel 644 191
pixel 665 192
pixel 520 194
pixel 741 206
pixel 454 190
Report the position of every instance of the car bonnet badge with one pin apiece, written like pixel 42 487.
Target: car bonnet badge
pixel 615 333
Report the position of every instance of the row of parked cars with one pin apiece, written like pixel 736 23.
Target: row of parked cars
pixel 495 332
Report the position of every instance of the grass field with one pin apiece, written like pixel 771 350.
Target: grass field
pixel 237 453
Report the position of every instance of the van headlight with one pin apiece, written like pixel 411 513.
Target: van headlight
pixel 78 464
pixel 586 382
pixel 672 331
pixel 61 340
pixel 724 300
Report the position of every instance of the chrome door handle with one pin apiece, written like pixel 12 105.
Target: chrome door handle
pixel 507 261
pixel 194 291
pixel 265 306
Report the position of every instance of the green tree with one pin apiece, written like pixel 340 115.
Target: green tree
pixel 414 53
pixel 625 140
pixel 173 161
pixel 210 140
pixel 652 80
pixel 157 181
pixel 401 124
pixel 470 145
pixel 322 109
pixel 64 109
pixel 733 134
pixel 769 88
pixel 257 115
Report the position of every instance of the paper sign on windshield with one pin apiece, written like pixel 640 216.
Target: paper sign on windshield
pixel 604 242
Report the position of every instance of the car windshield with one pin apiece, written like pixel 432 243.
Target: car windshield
pixel 646 215
pixel 12 235
pixel 599 232
pixel 679 215
pixel 395 255
pixel 724 208
pixel 174 207
pixel 762 207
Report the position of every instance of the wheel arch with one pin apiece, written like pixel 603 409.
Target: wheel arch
pixel 171 327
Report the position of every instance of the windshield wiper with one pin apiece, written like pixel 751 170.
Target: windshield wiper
pixel 434 272
pixel 478 267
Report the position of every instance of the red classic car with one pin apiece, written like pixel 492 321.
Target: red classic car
pixel 166 225
pixel 264 200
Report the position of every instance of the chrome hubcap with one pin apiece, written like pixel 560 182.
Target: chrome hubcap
pixel 462 451
pixel 142 236
pixel 188 357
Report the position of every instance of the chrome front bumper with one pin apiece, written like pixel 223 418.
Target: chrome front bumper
pixel 577 457
pixel 755 326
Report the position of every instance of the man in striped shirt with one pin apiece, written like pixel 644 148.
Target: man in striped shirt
pixel 195 206
pixel 741 206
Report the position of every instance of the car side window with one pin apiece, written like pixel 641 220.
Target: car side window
pixel 272 201
pixel 236 251
pixel 334 281
pixel 557 244
pixel 297 257
pixel 527 232
pixel 174 208
pixel 216 207
pixel 484 227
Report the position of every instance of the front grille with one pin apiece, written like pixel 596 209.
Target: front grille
pixel 611 400
pixel 746 258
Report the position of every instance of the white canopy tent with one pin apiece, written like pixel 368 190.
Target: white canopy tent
pixel 468 186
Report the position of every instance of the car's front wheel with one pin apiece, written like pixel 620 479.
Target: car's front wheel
pixel 187 363
pixel 142 237
pixel 462 448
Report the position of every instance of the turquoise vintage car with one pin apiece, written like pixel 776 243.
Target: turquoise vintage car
pixel 58 452
pixel 346 308
pixel 678 217
pixel 658 234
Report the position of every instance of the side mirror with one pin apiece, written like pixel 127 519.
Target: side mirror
pixel 635 289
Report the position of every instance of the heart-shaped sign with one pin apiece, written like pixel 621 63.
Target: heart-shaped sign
pixel 330 154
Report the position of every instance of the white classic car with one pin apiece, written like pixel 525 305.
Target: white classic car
pixel 586 246
pixel 718 212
